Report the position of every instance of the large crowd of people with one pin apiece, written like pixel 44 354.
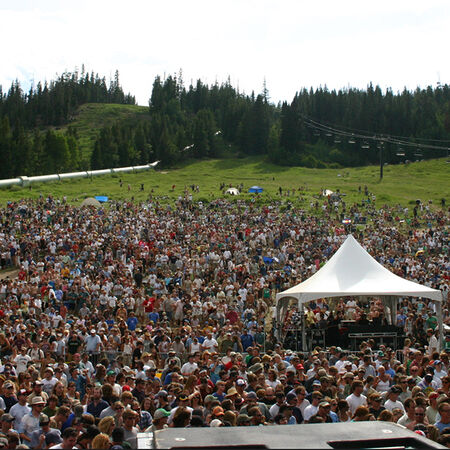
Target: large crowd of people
pixel 137 317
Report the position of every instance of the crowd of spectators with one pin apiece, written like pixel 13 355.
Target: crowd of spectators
pixel 135 317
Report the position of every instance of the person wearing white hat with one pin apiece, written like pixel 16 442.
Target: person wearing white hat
pixel 30 422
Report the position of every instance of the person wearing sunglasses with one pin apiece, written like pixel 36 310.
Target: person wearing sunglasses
pixel 444 412
pixel 419 418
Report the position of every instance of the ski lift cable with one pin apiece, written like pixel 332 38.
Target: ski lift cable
pixel 378 138
pixel 355 130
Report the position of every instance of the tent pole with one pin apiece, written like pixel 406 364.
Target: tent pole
pixel 440 325
pixel 277 322
pixel 394 310
pixel 302 310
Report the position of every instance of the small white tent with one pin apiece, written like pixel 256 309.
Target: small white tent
pixel 351 271
pixel 90 201
pixel 232 191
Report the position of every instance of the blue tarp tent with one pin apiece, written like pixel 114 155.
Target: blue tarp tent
pixel 255 190
pixel 101 198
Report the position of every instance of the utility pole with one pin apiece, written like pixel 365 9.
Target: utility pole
pixel 380 146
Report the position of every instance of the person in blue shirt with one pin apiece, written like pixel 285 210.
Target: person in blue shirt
pixel 220 392
pixel 79 380
pixel 388 369
pixel 246 340
pixel 154 317
pixel 110 323
pixel 444 421
pixel 132 322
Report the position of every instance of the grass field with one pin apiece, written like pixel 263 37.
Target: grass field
pixel 92 117
pixel 402 184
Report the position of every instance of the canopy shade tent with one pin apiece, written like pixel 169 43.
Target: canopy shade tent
pixel 90 201
pixel 232 191
pixel 351 271
pixel 255 189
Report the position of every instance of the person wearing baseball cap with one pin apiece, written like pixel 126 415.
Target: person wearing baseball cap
pixel 217 412
pixel 6 423
pixel 8 397
pixel 439 372
pixel 432 410
pixel 392 399
pixel 111 379
pixel 243 420
pixel 324 411
pixel 160 418
pixel 20 409
pixel 45 436
pixel 183 400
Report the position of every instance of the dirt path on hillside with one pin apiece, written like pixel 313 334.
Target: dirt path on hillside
pixel 11 274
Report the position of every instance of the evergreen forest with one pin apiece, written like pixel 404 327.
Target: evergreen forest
pixel 317 128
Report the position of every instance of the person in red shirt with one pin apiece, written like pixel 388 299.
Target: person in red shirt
pixel 149 304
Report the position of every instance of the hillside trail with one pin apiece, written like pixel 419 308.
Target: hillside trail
pixel 10 274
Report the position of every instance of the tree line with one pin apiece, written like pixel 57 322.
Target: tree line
pixel 28 143
pixel 216 120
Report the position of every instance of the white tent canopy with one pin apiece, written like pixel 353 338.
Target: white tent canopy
pixel 90 201
pixel 232 191
pixel 351 271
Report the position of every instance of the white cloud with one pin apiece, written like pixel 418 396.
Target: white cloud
pixel 291 43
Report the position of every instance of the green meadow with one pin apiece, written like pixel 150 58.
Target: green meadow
pixel 401 184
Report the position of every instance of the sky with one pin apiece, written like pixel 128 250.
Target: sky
pixel 288 44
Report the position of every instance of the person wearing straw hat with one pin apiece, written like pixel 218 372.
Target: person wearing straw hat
pixel 30 422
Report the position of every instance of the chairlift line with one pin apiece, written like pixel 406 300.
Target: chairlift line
pixel 329 131
pixel 354 131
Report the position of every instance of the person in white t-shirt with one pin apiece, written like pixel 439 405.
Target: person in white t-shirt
pixel 312 409
pixel 433 345
pixel 439 372
pixel 49 381
pixel 22 360
pixel 392 400
pixel 356 398
pixel 69 436
pixel 189 367
pixel 210 343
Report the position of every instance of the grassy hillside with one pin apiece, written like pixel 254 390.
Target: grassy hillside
pixel 92 117
pixel 402 184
